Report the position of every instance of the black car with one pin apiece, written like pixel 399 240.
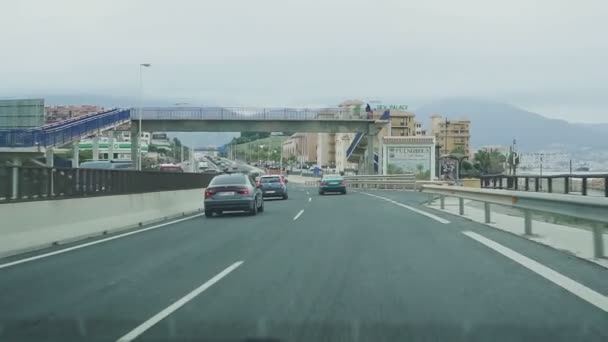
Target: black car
pixel 233 192
pixel 273 186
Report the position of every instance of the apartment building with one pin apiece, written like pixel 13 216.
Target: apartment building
pixel 451 135
pixel 60 113
pixel 403 123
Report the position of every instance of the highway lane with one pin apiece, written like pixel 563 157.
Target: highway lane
pixel 112 286
pixel 348 268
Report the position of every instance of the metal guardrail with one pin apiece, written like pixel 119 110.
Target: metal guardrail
pixel 401 182
pixel 19 184
pixel 63 132
pixel 247 113
pixel 585 208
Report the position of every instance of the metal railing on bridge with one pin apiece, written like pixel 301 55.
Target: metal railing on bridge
pixel 589 209
pixel 584 184
pixel 64 131
pixel 247 113
pixel 42 183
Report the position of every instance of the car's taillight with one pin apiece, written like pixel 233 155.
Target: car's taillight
pixel 208 193
pixel 324 183
pixel 244 192
pixel 343 182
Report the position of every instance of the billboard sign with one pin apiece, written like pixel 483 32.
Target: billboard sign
pixel 415 159
pixel 449 169
pixel 27 113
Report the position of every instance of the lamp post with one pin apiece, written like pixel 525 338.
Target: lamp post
pixel 262 150
pixel 141 95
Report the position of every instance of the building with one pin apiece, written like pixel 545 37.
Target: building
pixel 403 123
pixel 419 130
pixel 120 150
pixel 451 135
pixel 60 113
pixel 302 146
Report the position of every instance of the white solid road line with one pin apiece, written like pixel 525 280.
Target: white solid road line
pixel 421 212
pixel 133 334
pixel 559 279
pixel 309 199
pixel 298 215
pixel 65 250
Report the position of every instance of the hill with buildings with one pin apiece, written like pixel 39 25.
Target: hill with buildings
pixel 494 123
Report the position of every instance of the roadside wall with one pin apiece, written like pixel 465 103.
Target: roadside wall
pixel 32 225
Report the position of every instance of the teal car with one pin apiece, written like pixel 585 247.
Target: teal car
pixel 332 183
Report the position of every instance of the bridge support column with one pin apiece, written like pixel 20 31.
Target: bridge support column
pixel 110 145
pixel 135 145
pixel 76 154
pixel 370 153
pixel 49 157
pixel 96 147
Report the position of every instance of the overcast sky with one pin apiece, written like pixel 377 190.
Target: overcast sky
pixel 545 55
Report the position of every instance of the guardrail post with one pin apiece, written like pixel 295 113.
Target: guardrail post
pixel 15 177
pixel 536 183
pixel 606 187
pixel 461 206
pixel 598 241
pixel 442 202
pixel 515 182
pixel 486 209
pixel 566 185
pixel 500 182
pixel 527 222
pixel 527 184
pixel 550 185
pixel 584 186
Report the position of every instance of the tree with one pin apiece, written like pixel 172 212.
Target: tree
pixel 489 162
pixel 458 150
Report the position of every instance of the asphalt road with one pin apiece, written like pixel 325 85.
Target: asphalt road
pixel 311 268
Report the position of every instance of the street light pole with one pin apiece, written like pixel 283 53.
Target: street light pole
pixel 141 95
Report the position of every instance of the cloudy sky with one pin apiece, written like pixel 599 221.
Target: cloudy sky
pixel 545 55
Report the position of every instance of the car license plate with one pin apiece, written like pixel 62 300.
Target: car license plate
pixel 270 192
pixel 226 193
pixel 334 183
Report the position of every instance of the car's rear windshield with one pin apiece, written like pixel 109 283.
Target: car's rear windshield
pixel 270 180
pixel 333 178
pixel 228 179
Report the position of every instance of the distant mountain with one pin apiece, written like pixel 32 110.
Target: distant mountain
pixel 494 123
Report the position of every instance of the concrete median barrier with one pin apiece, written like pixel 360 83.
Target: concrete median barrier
pixel 26 226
